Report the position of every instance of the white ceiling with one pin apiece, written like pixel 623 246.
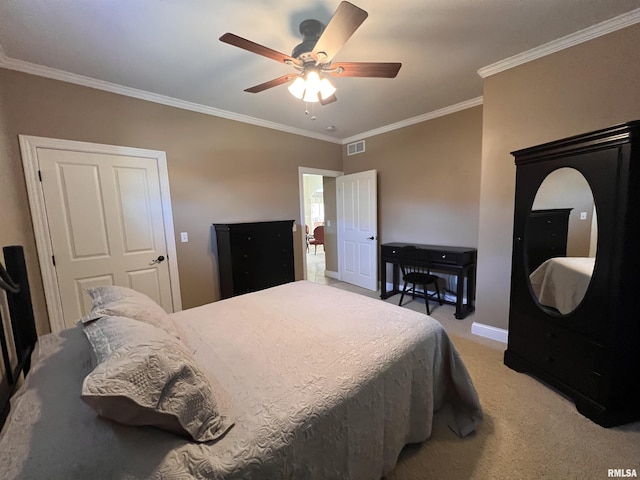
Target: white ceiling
pixel 168 51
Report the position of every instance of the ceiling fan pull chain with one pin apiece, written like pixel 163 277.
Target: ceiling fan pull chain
pixel 312 114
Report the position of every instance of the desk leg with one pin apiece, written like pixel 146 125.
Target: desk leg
pixel 465 276
pixel 383 279
pixel 384 294
pixel 396 278
pixel 460 295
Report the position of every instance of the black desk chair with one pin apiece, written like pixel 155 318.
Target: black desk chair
pixel 413 275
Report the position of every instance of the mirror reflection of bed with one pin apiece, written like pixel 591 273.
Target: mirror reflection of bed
pixel 561 241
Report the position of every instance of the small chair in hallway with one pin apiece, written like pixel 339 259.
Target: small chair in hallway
pixel 413 275
pixel 318 238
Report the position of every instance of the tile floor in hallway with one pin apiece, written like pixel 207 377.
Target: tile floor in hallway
pixel 316 266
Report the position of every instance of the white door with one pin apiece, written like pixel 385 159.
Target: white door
pixel 358 229
pixel 106 223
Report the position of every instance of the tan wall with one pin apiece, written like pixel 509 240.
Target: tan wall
pixel 586 87
pixel 219 170
pixel 428 179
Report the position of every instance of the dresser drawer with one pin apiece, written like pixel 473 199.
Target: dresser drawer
pixel 453 258
pixel 390 252
pixel 569 357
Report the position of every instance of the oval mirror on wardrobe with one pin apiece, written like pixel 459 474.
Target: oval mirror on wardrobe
pixel 561 241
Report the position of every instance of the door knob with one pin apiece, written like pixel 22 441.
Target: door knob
pixel 160 259
pixel 371 238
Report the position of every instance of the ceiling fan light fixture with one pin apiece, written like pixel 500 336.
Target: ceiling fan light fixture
pixel 298 87
pixel 311 87
pixel 326 88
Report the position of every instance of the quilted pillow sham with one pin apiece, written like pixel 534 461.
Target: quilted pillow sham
pixel 146 377
pixel 113 300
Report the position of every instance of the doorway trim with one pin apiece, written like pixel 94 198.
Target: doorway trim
pixel 29 147
pixel 302 171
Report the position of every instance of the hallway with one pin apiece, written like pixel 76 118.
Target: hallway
pixel 316 266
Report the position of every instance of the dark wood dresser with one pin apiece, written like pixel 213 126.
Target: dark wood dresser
pixel 254 256
pixel 547 235
pixel 591 353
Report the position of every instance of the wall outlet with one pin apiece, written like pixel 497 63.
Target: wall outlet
pixel 328 223
pixel 583 215
pixel 184 237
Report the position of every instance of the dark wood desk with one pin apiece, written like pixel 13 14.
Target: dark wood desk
pixel 460 261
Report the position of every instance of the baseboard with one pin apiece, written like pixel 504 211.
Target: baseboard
pixel 331 274
pixel 487 331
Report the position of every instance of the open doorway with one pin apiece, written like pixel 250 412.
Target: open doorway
pixel 314 220
pixel 318 211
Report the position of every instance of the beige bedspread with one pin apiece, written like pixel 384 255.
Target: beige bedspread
pixel 324 383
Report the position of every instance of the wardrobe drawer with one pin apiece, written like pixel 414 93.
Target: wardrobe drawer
pixel 567 356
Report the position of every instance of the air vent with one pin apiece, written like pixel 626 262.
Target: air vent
pixel 355 147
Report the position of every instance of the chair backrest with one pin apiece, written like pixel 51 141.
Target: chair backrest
pixel 407 258
pixel 318 234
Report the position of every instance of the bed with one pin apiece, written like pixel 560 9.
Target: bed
pixel 561 282
pixel 311 381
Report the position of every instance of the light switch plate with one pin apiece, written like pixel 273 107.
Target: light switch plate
pixel 184 237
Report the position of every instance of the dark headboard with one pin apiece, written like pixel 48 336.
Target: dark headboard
pixel 15 283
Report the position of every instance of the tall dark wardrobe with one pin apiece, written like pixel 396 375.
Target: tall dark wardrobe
pixel 591 352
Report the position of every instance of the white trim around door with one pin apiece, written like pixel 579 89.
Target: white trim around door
pixel 29 146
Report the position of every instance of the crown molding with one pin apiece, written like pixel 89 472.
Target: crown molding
pixel 474 102
pixel 581 36
pixel 42 71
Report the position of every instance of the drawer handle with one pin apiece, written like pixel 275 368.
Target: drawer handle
pixel 444 256
pixel 393 251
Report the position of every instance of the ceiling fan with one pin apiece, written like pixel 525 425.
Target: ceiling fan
pixel 312 59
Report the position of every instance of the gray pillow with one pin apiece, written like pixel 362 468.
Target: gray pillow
pixel 113 300
pixel 146 377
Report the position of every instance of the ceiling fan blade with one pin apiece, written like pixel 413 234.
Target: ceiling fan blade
pixel 253 47
pixel 328 100
pixel 344 22
pixel 271 83
pixel 364 69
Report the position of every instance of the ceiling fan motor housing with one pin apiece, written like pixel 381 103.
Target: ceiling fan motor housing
pixel 311 30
